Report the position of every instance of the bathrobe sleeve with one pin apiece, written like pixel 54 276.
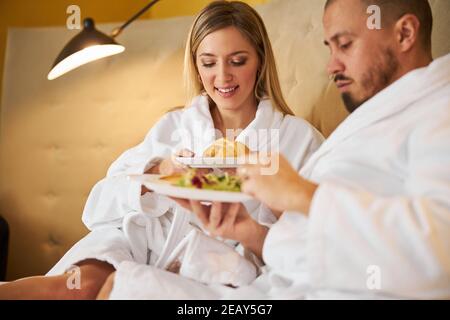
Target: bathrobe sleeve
pixel 358 240
pixel 115 195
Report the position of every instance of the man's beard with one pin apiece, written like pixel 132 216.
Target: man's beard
pixel 378 77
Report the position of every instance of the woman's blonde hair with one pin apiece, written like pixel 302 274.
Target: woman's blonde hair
pixel 222 14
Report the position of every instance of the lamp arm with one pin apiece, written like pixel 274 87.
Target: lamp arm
pixel 118 30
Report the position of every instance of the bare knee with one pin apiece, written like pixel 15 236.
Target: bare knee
pixel 91 276
pixel 105 291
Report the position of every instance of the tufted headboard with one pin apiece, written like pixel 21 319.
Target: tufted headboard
pixel 59 137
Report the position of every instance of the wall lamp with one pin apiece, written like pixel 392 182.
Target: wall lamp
pixel 89 45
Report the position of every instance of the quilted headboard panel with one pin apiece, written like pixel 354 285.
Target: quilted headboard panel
pixel 59 137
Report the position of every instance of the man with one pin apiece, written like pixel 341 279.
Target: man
pixel 369 215
pixel 378 190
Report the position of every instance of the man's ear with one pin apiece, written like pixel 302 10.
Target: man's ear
pixel 407 32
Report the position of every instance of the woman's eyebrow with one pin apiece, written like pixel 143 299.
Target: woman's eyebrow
pixel 205 54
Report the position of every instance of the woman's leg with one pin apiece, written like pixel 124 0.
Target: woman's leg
pixel 92 273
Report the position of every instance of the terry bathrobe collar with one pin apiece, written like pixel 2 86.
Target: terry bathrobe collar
pixel 198 117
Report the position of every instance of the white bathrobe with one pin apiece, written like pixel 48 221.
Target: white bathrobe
pixel 126 226
pixel 379 224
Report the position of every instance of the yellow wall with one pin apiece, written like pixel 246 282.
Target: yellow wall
pixel 31 13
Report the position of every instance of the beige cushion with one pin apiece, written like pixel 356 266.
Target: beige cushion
pixel 59 137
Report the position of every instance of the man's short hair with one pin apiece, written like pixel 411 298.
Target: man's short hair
pixel 392 10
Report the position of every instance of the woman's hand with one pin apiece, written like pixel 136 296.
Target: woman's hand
pixel 169 166
pixel 281 190
pixel 229 221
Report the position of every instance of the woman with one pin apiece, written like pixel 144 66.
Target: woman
pixel 232 84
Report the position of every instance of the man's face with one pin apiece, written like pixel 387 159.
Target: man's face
pixel 363 61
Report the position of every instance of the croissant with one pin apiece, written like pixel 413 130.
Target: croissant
pixel 223 148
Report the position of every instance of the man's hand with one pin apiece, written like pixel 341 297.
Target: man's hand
pixel 284 190
pixel 229 221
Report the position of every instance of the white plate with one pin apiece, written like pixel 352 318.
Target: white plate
pixel 206 162
pixel 152 182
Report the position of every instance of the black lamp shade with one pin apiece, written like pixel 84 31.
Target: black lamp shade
pixel 88 45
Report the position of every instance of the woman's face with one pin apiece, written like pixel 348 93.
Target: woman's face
pixel 228 64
